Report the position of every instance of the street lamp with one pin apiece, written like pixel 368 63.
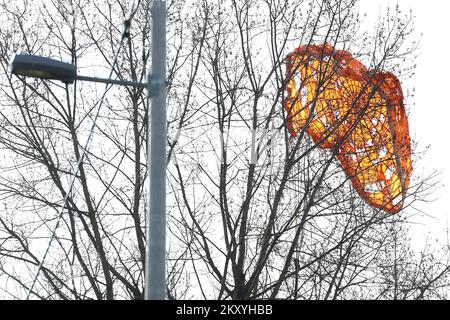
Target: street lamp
pixel 45 68
pixel 50 69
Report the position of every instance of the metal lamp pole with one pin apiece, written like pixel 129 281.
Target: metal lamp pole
pixel 45 68
pixel 155 264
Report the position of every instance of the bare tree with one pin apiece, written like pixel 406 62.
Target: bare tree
pixel 253 213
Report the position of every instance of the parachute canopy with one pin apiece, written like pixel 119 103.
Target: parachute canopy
pixel 359 113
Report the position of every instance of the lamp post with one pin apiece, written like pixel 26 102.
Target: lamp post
pixel 155 266
pixel 45 68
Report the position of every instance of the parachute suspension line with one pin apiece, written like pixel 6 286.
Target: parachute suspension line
pixel 84 150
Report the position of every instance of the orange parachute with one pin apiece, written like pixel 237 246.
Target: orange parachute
pixel 357 112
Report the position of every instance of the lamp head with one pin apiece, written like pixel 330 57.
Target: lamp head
pixel 43 68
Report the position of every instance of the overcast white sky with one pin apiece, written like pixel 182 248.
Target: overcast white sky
pixel 429 118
